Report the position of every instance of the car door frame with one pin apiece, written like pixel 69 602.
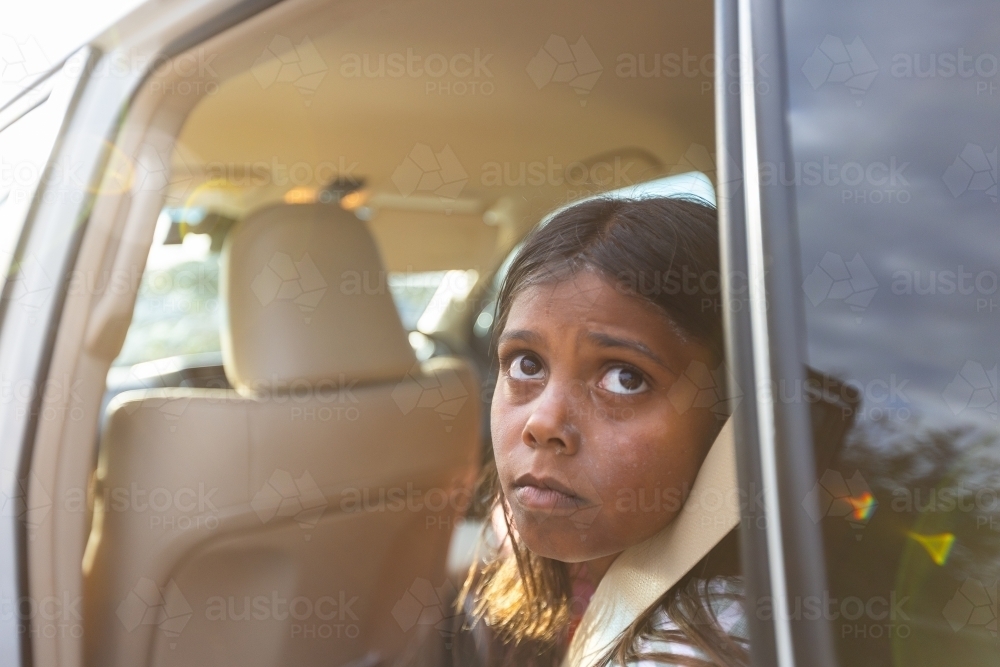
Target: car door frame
pixel 782 548
pixel 25 330
pixel 143 40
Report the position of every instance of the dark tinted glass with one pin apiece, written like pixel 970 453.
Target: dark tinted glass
pixel 895 120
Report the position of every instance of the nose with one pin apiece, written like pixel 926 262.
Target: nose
pixel 552 424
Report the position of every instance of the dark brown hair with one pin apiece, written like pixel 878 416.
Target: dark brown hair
pixel 665 251
pixel 661 249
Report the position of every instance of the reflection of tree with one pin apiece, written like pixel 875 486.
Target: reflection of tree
pixel 937 480
pixel 933 484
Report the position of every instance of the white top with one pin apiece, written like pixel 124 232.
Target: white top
pixel 726 602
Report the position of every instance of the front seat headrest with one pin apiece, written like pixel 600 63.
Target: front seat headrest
pixel 306 303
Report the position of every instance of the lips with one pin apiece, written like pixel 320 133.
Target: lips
pixel 546 493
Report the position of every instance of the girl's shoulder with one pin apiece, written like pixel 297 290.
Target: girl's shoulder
pixel 723 600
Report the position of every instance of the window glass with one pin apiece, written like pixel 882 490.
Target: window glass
pixel 693 184
pixel 177 310
pixel 894 165
pixel 177 307
pixel 26 138
pixel 422 297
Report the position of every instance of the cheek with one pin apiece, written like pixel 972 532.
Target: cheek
pixel 506 426
pixel 649 455
pixel 633 459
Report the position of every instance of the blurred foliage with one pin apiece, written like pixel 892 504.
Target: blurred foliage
pixel 177 311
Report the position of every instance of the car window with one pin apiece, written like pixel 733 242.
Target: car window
pixel 693 184
pixel 177 307
pixel 422 297
pixel 26 139
pixel 892 122
pixel 177 310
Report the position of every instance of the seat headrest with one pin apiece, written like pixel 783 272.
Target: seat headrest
pixel 641 574
pixel 306 303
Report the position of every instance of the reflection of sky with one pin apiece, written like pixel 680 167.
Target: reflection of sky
pixel 924 123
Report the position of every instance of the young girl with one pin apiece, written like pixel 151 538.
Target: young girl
pixel 601 313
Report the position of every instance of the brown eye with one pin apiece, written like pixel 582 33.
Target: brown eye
pixel 525 367
pixel 623 380
pixel 630 380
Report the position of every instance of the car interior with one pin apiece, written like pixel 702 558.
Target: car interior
pixel 321 211
pixel 253 429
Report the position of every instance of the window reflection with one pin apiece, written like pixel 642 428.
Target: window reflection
pixel 894 169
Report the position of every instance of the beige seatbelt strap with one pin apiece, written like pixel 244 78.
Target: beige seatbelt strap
pixel 644 572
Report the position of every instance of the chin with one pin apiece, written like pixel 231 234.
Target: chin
pixel 559 539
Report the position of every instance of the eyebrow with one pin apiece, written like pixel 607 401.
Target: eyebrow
pixel 525 335
pixel 606 340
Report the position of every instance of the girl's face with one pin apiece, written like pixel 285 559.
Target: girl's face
pixel 592 454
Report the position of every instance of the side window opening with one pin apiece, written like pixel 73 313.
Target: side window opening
pixel 173 339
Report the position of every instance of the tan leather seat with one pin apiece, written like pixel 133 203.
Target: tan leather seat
pixel 303 518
